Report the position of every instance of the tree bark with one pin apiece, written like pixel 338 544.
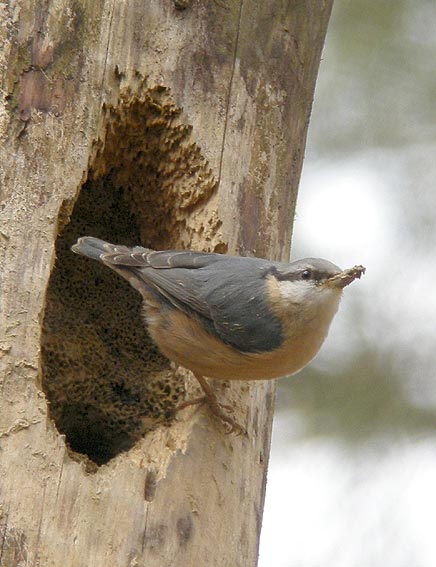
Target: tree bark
pixel 173 123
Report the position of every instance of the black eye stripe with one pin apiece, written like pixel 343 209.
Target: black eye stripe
pixel 305 274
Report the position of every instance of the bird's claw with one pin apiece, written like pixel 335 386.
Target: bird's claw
pixel 231 425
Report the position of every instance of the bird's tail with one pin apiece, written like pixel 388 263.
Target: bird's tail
pixel 93 247
pixel 123 260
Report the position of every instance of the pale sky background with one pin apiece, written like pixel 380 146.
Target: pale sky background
pixel 353 467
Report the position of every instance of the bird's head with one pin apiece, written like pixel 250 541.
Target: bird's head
pixel 310 288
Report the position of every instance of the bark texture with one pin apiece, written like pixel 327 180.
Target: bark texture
pixel 177 124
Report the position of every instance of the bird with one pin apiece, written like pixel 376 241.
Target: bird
pixel 229 317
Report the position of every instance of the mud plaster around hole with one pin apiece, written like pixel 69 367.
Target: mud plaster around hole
pixel 106 383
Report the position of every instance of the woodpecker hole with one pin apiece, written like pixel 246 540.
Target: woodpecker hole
pixel 106 383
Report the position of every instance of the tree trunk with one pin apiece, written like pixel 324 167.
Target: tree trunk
pixel 170 123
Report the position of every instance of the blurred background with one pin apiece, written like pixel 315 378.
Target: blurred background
pixel 352 479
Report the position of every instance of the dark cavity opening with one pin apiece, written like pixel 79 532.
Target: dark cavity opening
pixel 106 382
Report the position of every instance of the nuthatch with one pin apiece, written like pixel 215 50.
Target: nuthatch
pixel 226 316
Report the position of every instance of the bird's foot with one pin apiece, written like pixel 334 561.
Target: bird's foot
pixel 219 410
pixel 231 425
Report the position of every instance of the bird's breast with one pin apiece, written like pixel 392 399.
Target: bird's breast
pixel 184 341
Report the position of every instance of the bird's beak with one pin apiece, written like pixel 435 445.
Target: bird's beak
pixel 345 277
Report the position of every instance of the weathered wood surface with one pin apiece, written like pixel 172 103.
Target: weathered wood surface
pixel 243 74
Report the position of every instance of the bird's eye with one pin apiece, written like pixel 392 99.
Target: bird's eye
pixel 306 274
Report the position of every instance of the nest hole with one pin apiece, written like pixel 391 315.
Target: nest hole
pixel 106 382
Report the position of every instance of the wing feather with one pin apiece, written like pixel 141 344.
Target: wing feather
pixel 226 292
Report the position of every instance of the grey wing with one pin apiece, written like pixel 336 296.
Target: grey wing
pixel 230 295
pixel 118 254
pixel 169 273
pixel 241 313
pixel 173 274
pixel 227 293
